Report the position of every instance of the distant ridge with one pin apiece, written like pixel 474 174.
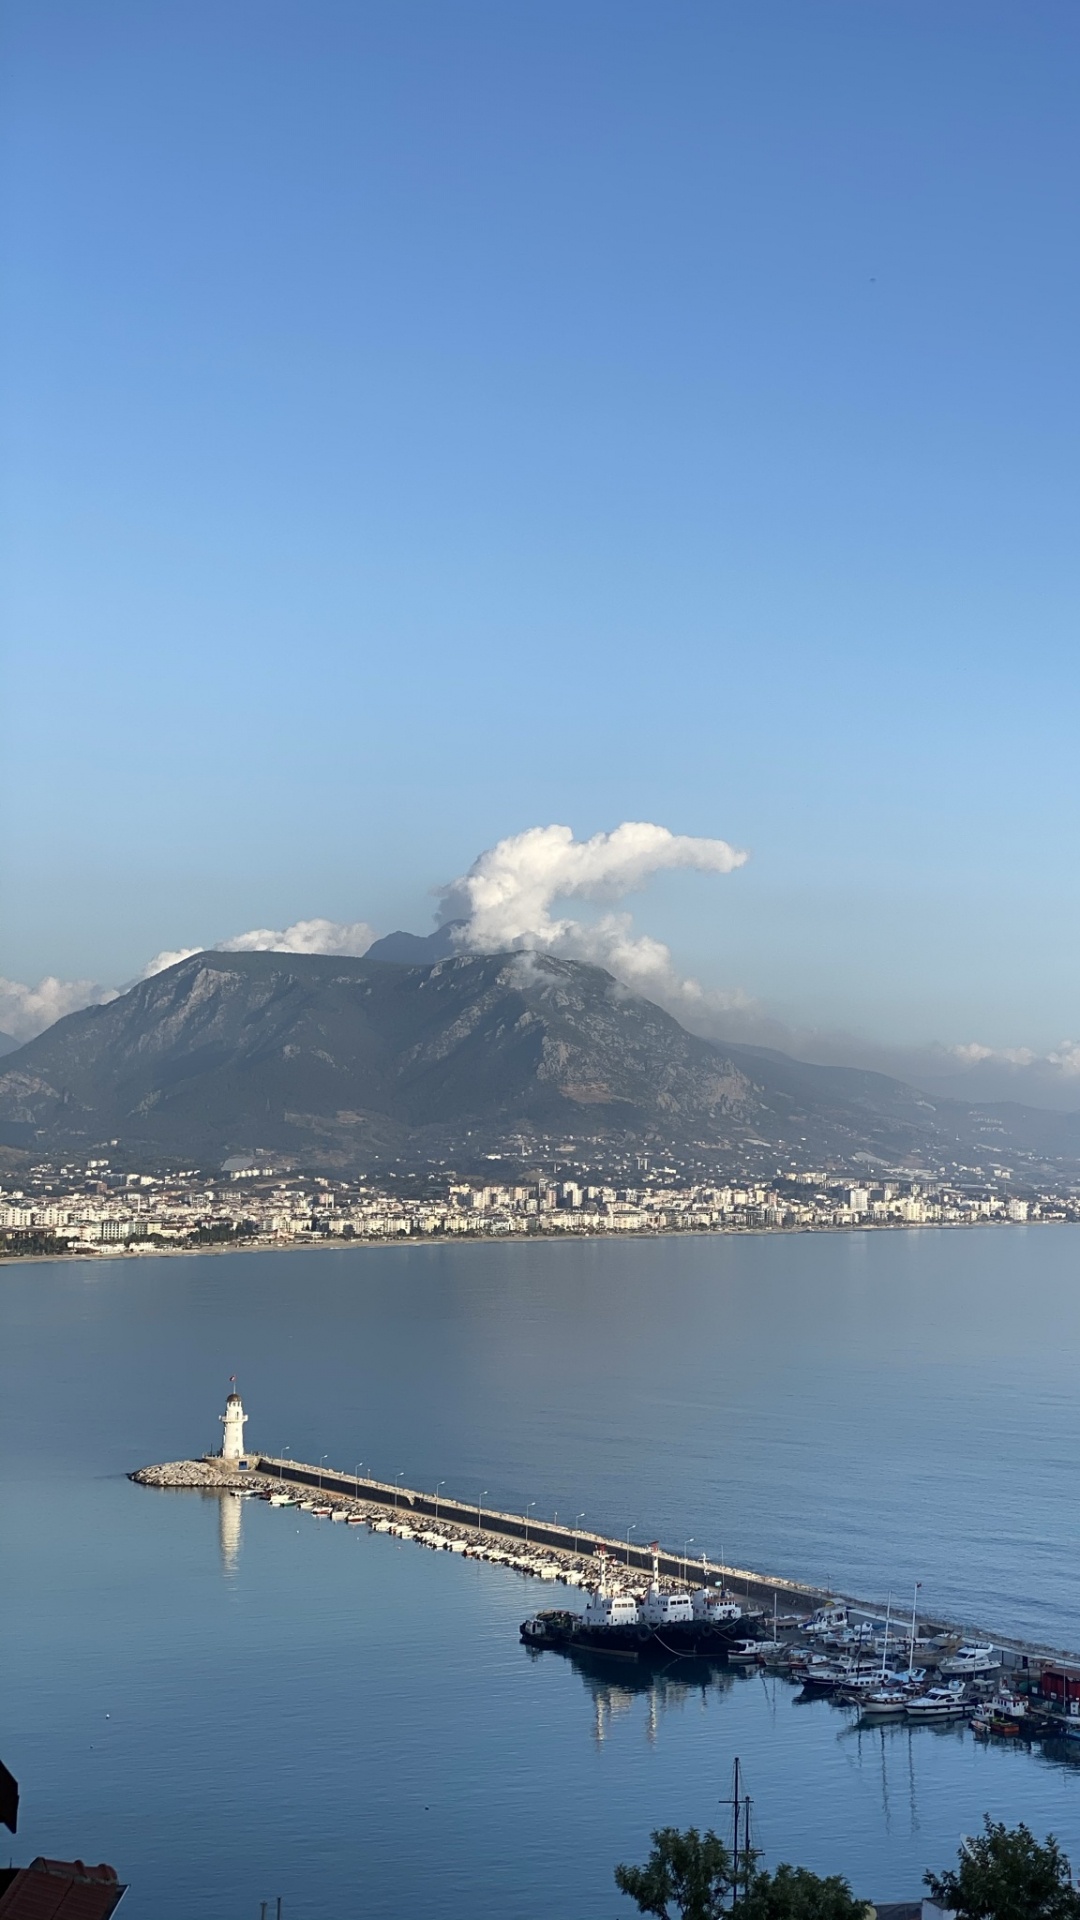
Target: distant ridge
pixel 417 949
pixel 360 1063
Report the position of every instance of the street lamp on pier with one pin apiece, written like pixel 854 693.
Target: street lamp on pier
pixel 398 1478
pixel 442 1483
pixel 528 1510
pixel 577 1517
pixel 356 1476
pixel 480 1509
pixel 629 1531
pixel 322 1462
pixel 688 1542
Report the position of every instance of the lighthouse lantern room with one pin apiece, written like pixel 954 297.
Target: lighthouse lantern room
pixel 233 1420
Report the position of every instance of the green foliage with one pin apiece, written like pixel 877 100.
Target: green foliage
pixel 1006 1874
pixel 794 1893
pixel 27 1240
pixel 686 1873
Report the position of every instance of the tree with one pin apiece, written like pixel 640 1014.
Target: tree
pixel 1006 1874
pixel 794 1893
pixel 688 1873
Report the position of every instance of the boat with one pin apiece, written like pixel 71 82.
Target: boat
pixel 825 1620
pixel 1003 1717
pixel 840 1674
pixel 661 1625
pixel 748 1652
pixel 885 1703
pixel 977 1657
pixel 939 1703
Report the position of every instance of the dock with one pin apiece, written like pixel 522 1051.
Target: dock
pixel 570 1552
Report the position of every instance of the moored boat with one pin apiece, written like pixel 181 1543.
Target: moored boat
pixel 1004 1716
pixel 939 1703
pixel 976 1657
pixel 662 1625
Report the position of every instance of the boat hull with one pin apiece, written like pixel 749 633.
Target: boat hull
pixel 679 1640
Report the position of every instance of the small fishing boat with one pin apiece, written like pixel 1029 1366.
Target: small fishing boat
pixel 1002 1717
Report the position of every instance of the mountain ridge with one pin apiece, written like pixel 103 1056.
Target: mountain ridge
pixel 339 1062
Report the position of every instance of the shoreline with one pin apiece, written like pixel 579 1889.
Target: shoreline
pixel 138 1250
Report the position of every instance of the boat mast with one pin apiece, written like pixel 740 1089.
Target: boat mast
pixel 911 1648
pixel 885 1645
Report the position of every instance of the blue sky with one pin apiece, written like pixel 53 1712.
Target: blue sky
pixel 433 419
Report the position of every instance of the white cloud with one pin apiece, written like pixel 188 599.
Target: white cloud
pixel 505 900
pixel 25 1011
pixel 304 936
pixel 1063 1059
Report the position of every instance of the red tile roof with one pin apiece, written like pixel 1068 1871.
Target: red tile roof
pixel 61 1890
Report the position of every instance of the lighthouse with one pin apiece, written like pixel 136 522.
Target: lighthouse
pixel 233 1420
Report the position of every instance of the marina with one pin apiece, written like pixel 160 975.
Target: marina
pixel 826 1644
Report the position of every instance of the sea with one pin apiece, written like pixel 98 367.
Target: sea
pixel 235 1704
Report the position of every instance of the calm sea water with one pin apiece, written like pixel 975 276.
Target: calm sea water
pixel 231 1702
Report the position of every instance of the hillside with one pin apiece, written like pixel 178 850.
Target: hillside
pixel 357 1063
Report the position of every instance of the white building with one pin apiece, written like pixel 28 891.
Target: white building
pixel 233 1420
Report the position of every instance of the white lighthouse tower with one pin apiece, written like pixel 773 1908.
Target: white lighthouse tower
pixel 233 1420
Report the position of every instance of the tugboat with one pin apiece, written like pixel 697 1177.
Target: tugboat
pixel 702 1625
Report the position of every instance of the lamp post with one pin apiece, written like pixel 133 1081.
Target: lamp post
pixel 398 1478
pixel 528 1510
pixel 286 1451
pixel 688 1542
pixel 577 1517
pixel 629 1531
pixel 356 1476
pixel 480 1509
pixel 322 1461
pixel 442 1483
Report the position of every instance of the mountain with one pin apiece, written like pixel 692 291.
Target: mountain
pixel 417 949
pixel 346 1063
pixel 8 1044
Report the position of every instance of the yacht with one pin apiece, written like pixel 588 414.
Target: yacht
pixel 975 1658
pixel 939 1703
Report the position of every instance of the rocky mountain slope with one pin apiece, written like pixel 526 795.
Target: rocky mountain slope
pixel 360 1063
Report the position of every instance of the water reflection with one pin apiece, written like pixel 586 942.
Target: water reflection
pixel 613 1686
pixel 230 1510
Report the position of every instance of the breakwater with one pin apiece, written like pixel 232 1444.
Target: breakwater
pixel 570 1552
pixel 571 1544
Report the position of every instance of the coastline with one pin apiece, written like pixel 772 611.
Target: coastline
pixel 138 1250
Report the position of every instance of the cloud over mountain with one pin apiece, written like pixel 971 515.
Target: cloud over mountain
pixel 505 902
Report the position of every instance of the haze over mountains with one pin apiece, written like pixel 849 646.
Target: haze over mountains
pixel 336 1062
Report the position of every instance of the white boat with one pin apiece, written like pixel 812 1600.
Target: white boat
pixel 939 1703
pixel 885 1703
pixel 747 1652
pixel 977 1657
pixel 826 1620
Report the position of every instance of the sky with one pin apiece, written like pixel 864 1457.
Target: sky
pixel 430 421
